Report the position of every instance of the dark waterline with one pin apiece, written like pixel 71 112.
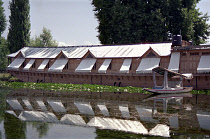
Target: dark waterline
pixel 26 113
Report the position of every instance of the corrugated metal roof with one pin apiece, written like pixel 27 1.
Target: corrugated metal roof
pixel 117 51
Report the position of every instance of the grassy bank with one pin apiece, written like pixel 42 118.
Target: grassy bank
pixel 6 80
pixel 7 77
pixel 81 87
pixel 71 87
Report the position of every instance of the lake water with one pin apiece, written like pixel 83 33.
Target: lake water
pixel 33 114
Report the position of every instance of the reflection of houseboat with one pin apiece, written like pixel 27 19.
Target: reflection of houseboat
pixel 122 65
pixel 134 113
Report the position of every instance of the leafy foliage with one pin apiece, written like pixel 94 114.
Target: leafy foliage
pixel 3 94
pixel 19 29
pixel 3 42
pixel 41 127
pixel 18 128
pixel 2 18
pixel 3 52
pixel 45 39
pixel 123 21
pixel 81 87
pixel 71 87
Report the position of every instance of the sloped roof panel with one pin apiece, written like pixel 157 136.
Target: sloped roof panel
pixel 162 49
pixel 147 64
pixel 204 66
pixel 58 65
pixel 43 65
pixel 104 66
pixel 174 62
pixel 125 66
pixel 30 63
pixel 86 65
pixel 137 50
pixel 16 64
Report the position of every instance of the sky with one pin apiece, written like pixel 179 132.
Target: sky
pixel 72 22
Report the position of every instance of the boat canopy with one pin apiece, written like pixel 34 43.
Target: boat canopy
pixel 171 74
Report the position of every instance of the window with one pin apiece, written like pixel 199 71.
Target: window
pixel 23 65
pixel 66 66
pixel 34 65
pixel 110 66
pixel 130 66
pixel 194 53
pixel 62 56
pixel 94 67
pixel 20 56
pixel 151 54
pixel 205 53
pixel 48 65
pixel 184 54
pixel 89 56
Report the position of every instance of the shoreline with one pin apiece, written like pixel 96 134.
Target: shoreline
pixel 81 87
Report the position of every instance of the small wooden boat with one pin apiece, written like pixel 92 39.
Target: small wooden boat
pixel 170 86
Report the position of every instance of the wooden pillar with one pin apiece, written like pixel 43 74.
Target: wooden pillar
pixel 154 79
pixel 165 84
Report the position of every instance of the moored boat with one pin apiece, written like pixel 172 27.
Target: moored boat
pixel 170 86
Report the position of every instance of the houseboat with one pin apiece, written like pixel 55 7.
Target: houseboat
pixel 115 65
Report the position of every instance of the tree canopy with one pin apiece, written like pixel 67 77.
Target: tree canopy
pixel 136 21
pixel 19 29
pixel 3 52
pixel 2 18
pixel 3 42
pixel 45 39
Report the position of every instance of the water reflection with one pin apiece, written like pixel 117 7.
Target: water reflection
pixel 153 115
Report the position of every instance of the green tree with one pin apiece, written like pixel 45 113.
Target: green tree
pixel 19 29
pixel 123 21
pixel 45 39
pixel 2 18
pixel 3 42
pixel 14 127
pixel 3 54
pixel 41 128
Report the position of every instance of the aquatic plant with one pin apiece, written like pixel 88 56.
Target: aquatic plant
pixel 71 87
pixel 81 87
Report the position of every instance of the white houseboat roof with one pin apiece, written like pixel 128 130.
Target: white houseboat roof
pixel 99 51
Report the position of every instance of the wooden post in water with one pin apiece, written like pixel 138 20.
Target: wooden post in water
pixel 154 79
pixel 165 84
